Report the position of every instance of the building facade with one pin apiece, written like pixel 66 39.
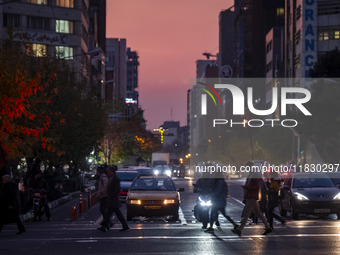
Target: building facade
pixel 312 27
pixel 59 28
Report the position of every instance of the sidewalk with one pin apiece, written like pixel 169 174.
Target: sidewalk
pixel 56 203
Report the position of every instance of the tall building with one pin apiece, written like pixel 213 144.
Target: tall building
pixel 122 74
pixel 97 28
pixel 97 46
pixel 132 78
pixel 274 53
pixel 56 27
pixel 253 20
pixel 226 54
pixel 116 69
pixel 312 27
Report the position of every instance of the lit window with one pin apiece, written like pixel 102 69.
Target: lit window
pixel 36 50
pixel 64 26
pixel 64 52
pixel 321 36
pixel 280 11
pixel 65 3
pixel 326 36
pixel 337 35
pixel 44 2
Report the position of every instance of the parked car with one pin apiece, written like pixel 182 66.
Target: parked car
pixel 307 193
pixel 126 178
pixel 153 196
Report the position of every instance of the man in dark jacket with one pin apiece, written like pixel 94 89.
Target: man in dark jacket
pixel 219 194
pixel 251 197
pixel 113 203
pixel 10 205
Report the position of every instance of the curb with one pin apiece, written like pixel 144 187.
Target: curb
pixel 55 203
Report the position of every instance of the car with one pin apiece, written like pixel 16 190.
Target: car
pixel 153 196
pixel 162 170
pixel 126 178
pixel 335 178
pixel 307 193
pixel 143 170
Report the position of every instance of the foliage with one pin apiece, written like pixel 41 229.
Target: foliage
pixel 127 137
pixel 21 96
pixel 323 128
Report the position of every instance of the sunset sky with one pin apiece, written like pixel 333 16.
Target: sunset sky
pixel 169 37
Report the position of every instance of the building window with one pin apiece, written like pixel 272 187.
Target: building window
pixel 269 46
pixel 280 12
pixel 321 36
pixel 269 66
pixel 65 3
pixel 11 20
pixel 297 63
pixel 298 37
pixel 64 52
pixel 298 12
pixel 325 36
pixel 38 23
pixel 337 34
pixel 64 26
pixel 36 50
pixel 44 2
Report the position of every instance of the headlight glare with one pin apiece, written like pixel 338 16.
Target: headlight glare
pixel 337 197
pixel 300 196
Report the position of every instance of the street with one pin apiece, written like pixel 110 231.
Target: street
pixel 308 235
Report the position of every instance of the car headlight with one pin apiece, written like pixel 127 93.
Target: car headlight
pixel 300 196
pixel 337 197
pixel 135 202
pixel 168 173
pixel 156 172
pixel 169 201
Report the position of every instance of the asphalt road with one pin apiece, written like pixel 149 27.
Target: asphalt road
pixel 309 235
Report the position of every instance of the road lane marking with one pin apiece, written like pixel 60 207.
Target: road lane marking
pixel 181 216
pixel 232 238
pixel 238 201
pixel 97 222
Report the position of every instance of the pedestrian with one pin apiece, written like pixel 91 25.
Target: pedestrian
pixel 102 190
pixel 251 197
pixel 273 201
pixel 219 202
pixel 10 204
pixel 113 203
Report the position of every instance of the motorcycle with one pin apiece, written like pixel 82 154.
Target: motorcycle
pixel 202 208
pixel 38 207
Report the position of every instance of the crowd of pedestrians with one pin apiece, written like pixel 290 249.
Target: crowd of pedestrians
pixel 108 191
pixel 260 199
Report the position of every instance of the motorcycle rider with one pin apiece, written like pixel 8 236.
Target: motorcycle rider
pixel 39 185
pixel 204 188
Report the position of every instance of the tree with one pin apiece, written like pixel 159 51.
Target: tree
pixel 328 65
pixel 21 91
pixel 323 127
